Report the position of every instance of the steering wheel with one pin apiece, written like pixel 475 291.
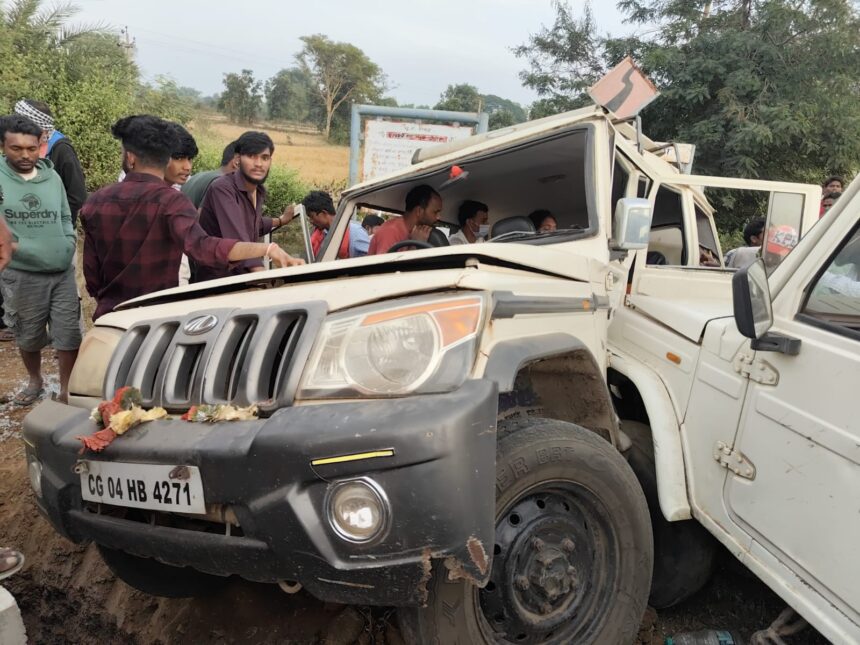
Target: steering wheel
pixel 409 243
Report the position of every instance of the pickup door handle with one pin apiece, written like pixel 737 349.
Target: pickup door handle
pixel 776 342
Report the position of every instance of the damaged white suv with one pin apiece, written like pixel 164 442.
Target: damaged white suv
pixel 435 430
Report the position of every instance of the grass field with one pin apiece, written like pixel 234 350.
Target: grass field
pixel 300 148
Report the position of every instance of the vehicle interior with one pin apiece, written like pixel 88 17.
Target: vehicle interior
pixel 668 239
pixel 547 174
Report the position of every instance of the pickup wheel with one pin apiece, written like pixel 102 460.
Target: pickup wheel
pixel 157 579
pixel 684 551
pixel 572 552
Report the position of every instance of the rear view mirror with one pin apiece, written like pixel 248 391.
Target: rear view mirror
pixel 632 224
pixel 751 299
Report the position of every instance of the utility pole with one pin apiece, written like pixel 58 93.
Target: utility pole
pixel 128 45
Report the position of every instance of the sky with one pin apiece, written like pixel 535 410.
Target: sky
pixel 421 46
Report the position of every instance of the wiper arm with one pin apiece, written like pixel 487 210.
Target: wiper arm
pixel 515 235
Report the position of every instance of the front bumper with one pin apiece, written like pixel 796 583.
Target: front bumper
pixel 439 482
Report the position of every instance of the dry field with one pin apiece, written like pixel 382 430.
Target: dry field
pixel 297 147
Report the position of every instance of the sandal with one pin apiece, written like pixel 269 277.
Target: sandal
pixel 11 562
pixel 28 397
pixel 6 335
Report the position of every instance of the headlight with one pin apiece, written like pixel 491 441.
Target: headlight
pixel 88 375
pixel 358 510
pixel 34 471
pixel 419 346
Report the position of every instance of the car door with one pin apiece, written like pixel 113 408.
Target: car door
pixel 798 444
pixel 675 298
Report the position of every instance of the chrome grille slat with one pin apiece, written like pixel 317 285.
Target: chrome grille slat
pixel 247 358
pixel 148 362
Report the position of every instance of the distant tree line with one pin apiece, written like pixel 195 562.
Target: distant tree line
pixel 327 78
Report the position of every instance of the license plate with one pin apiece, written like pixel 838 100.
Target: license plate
pixel 154 487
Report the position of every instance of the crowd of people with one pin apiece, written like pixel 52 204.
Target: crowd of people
pixel 152 230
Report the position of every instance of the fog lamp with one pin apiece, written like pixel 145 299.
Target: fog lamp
pixel 34 471
pixel 358 510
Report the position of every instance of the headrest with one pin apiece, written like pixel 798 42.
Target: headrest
pixel 516 224
pixel 437 238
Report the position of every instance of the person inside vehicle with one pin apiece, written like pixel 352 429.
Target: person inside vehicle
pixel 422 210
pixel 544 221
pixel 370 223
pixel 746 255
pixel 473 218
pixel 708 257
pixel 320 211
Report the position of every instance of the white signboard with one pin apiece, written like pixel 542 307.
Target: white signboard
pixel 389 145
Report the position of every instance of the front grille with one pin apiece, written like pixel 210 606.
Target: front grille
pixel 246 357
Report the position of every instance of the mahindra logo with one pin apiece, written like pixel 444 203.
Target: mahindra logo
pixel 200 325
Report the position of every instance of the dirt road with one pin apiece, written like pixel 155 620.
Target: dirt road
pixel 68 596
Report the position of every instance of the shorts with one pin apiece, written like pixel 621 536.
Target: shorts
pixel 42 308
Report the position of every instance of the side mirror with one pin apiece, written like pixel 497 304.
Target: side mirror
pixel 753 312
pixel 751 299
pixel 632 225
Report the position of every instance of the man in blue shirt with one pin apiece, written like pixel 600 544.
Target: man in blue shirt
pixel 320 211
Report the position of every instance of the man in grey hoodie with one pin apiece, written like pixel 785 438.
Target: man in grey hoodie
pixel 38 284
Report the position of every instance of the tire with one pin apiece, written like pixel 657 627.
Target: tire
pixel 684 552
pixel 157 579
pixel 572 553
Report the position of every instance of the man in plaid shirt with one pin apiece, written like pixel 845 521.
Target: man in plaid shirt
pixel 136 230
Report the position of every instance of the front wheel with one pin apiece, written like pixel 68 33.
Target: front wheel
pixel 572 553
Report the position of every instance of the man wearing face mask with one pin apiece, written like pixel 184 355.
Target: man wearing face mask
pixel 473 217
pixel 233 205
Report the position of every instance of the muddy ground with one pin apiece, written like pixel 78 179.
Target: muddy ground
pixel 68 596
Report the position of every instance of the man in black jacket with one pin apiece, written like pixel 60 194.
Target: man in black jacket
pixel 57 148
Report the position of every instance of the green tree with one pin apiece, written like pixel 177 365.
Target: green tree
pixel 242 97
pixel 289 95
pixel 166 99
pixel 460 98
pixel 764 88
pixel 77 69
pixel 497 105
pixel 341 73
pixel 467 98
pixel 84 76
pixel 564 60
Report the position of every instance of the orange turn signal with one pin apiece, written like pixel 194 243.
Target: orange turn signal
pixel 456 318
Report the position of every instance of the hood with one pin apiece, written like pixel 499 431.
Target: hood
pixel 348 283
pixel 556 260
pixel 353 290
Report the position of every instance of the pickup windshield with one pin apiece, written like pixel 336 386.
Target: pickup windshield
pixel 548 175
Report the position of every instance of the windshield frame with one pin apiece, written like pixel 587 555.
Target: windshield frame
pixel 589 181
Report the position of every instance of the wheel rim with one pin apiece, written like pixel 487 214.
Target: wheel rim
pixel 554 568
